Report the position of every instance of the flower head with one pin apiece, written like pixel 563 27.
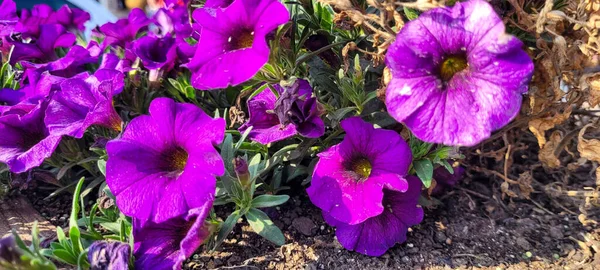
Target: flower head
pixel 233 46
pixel 349 178
pixel 456 75
pixel 444 179
pixel 109 255
pixel 8 20
pixel 25 142
pixel 165 163
pixel 295 111
pixel 30 21
pixel 41 49
pixel 123 31
pixel 83 102
pixel 377 234
pixel 72 18
pixel 156 53
pixel 166 245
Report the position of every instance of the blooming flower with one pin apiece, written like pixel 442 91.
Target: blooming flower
pixel 109 255
pixel 123 31
pixel 8 20
pixel 377 234
pixel 274 119
pixel 349 178
pixel 72 18
pixel 24 139
pixel 30 21
pixel 456 75
pixel 157 54
pixel 69 65
pixel 83 102
pixel 41 49
pixel 167 245
pixel 165 163
pixel 233 46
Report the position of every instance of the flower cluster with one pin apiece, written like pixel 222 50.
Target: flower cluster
pixel 456 76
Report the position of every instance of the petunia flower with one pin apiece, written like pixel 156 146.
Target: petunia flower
pixel 295 111
pixel 165 163
pixel 456 75
pixel 41 49
pixel 157 54
pixel 24 139
pixel 445 180
pixel 8 20
pixel 124 31
pixel 71 64
pixel 83 102
pixel 233 46
pixel 174 20
pixel 30 21
pixel 377 234
pixel 72 18
pixel 166 245
pixel 349 178
pixel 109 255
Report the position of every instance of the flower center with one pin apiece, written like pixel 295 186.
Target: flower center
pixel 241 40
pixel 362 167
pixel 176 160
pixel 452 65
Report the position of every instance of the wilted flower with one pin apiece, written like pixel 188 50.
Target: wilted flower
pixel 41 49
pixel 165 163
pixel 349 178
pixel 276 118
pixel 25 142
pixel 123 31
pixel 377 234
pixel 233 46
pixel 81 103
pixel 456 75
pixel 157 54
pixel 167 245
pixel 109 255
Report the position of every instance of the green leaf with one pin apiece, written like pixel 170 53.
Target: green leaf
pixel 64 256
pixel 411 13
pixel 254 166
pixel 446 165
pixel 75 236
pixel 227 153
pixel 102 166
pixel 242 138
pixel 263 201
pixel 227 227
pixel 424 169
pixel 262 224
pixel 75 207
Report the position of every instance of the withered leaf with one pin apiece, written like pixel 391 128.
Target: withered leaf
pixel 594 94
pixel 546 154
pixel 589 149
pixel 525 187
pixel 539 126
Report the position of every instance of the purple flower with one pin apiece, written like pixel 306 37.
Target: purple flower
pixel 109 255
pixel 174 20
pixel 24 139
pixel 68 66
pixel 377 234
pixel 295 111
pixel 8 20
pixel 444 179
pixel 217 3
pixel 41 49
pixel 123 31
pixel 165 163
pixel 167 245
pixel 72 18
pixel 157 54
pixel 30 21
pixel 349 178
pixel 233 46
pixel 83 102
pixel 456 75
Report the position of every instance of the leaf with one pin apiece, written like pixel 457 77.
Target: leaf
pixel 64 256
pixel 589 149
pixel 227 227
pixel 411 13
pixel 263 201
pixel 547 152
pixel 227 152
pixel 424 169
pixel 539 126
pixel 242 138
pixel 594 95
pixel 102 166
pixel 75 207
pixel 254 166
pixel 262 224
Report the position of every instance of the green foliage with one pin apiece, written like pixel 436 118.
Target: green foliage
pixel 31 257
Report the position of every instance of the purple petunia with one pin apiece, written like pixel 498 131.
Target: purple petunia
pixel 165 163
pixel 41 49
pixel 167 245
pixel 157 54
pixel 233 46
pixel 30 21
pixel 8 20
pixel 72 18
pixel 124 31
pixel 377 234
pixel 276 118
pixel 83 102
pixel 349 178
pixel 25 142
pixel 445 180
pixel 456 75
pixel 109 255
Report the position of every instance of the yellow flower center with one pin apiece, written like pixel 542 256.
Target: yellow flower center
pixel 241 40
pixel 362 167
pixel 452 65
pixel 176 160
